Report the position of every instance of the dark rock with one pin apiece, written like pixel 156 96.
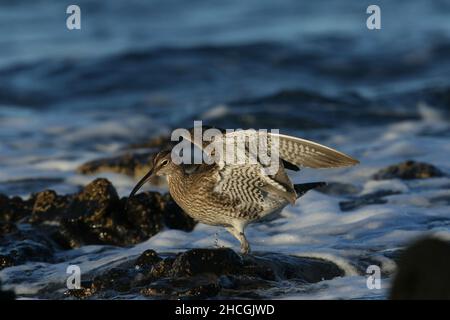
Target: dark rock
pixel 14 209
pixel 196 287
pixel 76 233
pixel 206 273
pixel 163 268
pixel 147 259
pixel 196 261
pixel 367 199
pixel 202 291
pixel 92 216
pixel 408 170
pixel 242 285
pixel 20 246
pixel 84 292
pixel 116 278
pixel 95 215
pixel 97 200
pixel 130 164
pixel 145 212
pixel 423 271
pixel 28 250
pixel 309 270
pixel 157 290
pixel 47 206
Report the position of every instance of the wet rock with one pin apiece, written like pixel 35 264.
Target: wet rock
pixel 97 200
pixel 131 164
pixel 151 211
pixel 14 208
pixel 47 206
pixel 116 278
pixel 409 170
pixel 197 287
pixel 423 271
pixel 206 273
pixel 126 279
pixel 20 246
pixel 91 216
pixel 196 261
pixel 85 291
pixel 162 268
pixel 15 252
pixel 82 293
pixel 25 252
pixel 148 259
pixel 145 212
pixel 367 199
pixel 202 291
pixel 308 270
pixel 77 233
pixel 95 215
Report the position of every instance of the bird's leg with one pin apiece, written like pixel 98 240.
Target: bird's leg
pixel 238 233
pixel 245 246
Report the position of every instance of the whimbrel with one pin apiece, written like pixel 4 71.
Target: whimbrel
pixel 234 195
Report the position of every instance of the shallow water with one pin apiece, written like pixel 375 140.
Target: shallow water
pixel 140 69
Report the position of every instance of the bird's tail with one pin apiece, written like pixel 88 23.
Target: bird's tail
pixel 301 189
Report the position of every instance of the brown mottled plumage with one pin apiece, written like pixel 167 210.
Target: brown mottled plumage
pixel 234 195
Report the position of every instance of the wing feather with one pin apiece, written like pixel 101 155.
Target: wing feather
pixel 311 154
pixel 296 151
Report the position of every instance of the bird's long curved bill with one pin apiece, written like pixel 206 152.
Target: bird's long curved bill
pixel 139 185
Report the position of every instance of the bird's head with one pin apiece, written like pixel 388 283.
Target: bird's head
pixel 162 166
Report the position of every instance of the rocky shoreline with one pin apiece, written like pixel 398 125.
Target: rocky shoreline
pixel 205 273
pixel 34 229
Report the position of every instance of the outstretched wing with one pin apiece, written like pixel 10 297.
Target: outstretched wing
pixel 296 151
pixel 310 154
pixel 293 150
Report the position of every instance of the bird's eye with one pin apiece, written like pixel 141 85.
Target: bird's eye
pixel 164 163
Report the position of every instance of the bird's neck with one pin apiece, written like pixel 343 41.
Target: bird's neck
pixel 179 187
pixel 176 178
